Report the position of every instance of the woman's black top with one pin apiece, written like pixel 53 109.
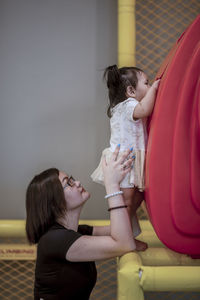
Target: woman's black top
pixel 57 278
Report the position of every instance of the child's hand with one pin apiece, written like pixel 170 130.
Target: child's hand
pixel 116 169
pixel 156 84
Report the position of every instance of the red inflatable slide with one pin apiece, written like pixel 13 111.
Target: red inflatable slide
pixel 173 152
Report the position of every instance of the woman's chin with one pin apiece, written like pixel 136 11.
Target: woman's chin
pixel 85 195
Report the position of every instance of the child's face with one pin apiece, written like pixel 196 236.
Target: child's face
pixel 142 86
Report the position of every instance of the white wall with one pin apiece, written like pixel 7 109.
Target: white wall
pixel 52 98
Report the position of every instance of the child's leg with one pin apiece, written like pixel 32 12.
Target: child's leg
pixel 133 199
pixel 144 207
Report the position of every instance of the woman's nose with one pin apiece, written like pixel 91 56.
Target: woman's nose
pixel 77 183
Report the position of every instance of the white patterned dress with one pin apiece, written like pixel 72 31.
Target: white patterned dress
pixel 128 133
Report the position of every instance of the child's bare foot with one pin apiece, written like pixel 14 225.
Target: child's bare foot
pixel 140 246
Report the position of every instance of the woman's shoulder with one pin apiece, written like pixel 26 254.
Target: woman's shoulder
pixel 58 231
pixel 60 237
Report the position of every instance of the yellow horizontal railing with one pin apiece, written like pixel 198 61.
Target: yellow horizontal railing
pixel 16 228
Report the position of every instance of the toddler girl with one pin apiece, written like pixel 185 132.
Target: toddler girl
pixel 131 100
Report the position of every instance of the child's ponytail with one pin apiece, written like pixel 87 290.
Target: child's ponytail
pixel 112 76
pixel 115 86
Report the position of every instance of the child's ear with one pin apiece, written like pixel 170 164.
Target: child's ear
pixel 130 91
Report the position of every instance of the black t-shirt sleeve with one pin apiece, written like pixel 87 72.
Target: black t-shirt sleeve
pixel 85 229
pixel 58 242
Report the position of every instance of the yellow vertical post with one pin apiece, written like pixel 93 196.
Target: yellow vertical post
pixel 126 33
pixel 128 277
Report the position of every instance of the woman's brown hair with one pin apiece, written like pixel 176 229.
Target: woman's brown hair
pixel 45 203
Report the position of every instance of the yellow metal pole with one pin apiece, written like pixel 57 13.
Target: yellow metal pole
pixel 166 257
pixel 170 278
pixel 16 228
pixel 126 33
pixel 12 228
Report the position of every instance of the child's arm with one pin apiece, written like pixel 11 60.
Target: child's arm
pixel 145 107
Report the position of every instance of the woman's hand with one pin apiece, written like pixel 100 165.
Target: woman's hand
pixel 116 169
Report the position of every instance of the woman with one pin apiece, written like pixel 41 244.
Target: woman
pixel 66 252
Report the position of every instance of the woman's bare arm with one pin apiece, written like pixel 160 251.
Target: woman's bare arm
pixel 120 240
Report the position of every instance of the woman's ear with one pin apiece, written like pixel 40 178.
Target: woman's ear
pixel 130 91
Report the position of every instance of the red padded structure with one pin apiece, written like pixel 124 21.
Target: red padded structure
pixel 173 152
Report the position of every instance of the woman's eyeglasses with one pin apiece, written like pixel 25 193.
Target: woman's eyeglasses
pixel 70 182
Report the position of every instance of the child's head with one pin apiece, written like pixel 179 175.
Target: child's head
pixel 123 83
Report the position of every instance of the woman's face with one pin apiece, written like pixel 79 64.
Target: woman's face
pixel 75 194
pixel 142 86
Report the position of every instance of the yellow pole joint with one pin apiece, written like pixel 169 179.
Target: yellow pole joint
pixel 126 33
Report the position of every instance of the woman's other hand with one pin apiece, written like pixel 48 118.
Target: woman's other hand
pixel 116 169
